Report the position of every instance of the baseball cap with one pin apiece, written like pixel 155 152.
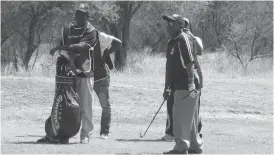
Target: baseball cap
pixel 186 20
pixel 83 7
pixel 174 17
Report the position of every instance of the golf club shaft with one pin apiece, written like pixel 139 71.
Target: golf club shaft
pixel 154 118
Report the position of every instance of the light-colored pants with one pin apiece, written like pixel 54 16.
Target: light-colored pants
pixel 84 88
pixel 185 122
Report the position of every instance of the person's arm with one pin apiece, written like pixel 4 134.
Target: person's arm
pixel 167 89
pixel 108 43
pixel 188 60
pixel 114 45
pixel 200 74
pixel 72 48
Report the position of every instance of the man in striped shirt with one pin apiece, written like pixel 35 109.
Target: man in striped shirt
pixel 180 78
pixel 198 80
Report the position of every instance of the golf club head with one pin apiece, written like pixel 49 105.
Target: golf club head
pixel 141 136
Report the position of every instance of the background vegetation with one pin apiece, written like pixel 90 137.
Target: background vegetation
pixel 238 38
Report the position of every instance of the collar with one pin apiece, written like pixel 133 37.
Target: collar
pixel 174 38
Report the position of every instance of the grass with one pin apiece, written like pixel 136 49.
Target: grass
pixel 146 65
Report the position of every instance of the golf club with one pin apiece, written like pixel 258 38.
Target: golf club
pixel 142 135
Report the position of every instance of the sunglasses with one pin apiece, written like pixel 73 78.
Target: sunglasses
pixel 170 23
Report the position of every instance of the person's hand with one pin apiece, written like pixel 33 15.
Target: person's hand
pixel 192 91
pixel 166 94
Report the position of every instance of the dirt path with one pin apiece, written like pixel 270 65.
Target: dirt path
pixel 220 136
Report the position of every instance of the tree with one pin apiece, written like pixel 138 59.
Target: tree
pixel 27 21
pixel 115 17
pixel 150 28
pixel 127 9
pixel 251 32
pixel 215 20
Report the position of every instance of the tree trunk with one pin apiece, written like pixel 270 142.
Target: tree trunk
pixel 30 45
pixel 15 61
pixel 118 55
pixel 125 32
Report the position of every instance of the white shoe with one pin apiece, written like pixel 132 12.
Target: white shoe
pixel 168 138
pixel 84 141
pixel 104 136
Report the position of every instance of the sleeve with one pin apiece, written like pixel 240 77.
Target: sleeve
pixel 64 35
pixel 185 49
pixel 167 82
pixel 200 75
pixel 62 39
pixel 90 38
pixel 106 41
pixel 199 46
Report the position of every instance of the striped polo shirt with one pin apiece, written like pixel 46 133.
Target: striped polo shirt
pixel 179 53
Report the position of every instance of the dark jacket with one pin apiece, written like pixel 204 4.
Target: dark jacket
pixel 179 53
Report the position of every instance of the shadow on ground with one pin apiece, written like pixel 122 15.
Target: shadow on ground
pixel 140 140
pixel 34 142
pixel 31 136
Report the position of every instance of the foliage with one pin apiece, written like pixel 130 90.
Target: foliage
pixel 244 32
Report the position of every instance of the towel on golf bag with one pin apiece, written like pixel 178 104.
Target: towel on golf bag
pixel 64 121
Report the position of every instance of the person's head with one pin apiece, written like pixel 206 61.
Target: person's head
pixel 187 24
pixel 174 24
pixel 186 21
pixel 81 14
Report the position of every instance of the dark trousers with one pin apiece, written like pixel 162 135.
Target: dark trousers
pixel 101 88
pixel 169 121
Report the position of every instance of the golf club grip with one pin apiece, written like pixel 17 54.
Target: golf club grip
pixel 154 117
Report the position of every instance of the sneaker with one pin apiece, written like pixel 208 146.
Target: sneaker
pixel 84 141
pixel 104 136
pixel 176 152
pixel 168 138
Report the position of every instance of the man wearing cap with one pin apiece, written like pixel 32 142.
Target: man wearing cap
pixel 180 79
pixel 198 80
pixel 198 50
pixel 81 37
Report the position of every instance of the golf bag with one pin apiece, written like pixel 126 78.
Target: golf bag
pixel 64 121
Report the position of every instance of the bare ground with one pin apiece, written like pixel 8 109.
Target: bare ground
pixel 237 117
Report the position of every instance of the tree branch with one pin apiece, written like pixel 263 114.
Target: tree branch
pixel 135 9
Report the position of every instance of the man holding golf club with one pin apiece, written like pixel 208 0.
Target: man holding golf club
pixel 180 78
pixel 198 80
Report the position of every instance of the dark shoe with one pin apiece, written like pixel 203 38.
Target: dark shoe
pixel 176 152
pixel 46 139
pixel 42 140
pixel 190 151
pixel 64 141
